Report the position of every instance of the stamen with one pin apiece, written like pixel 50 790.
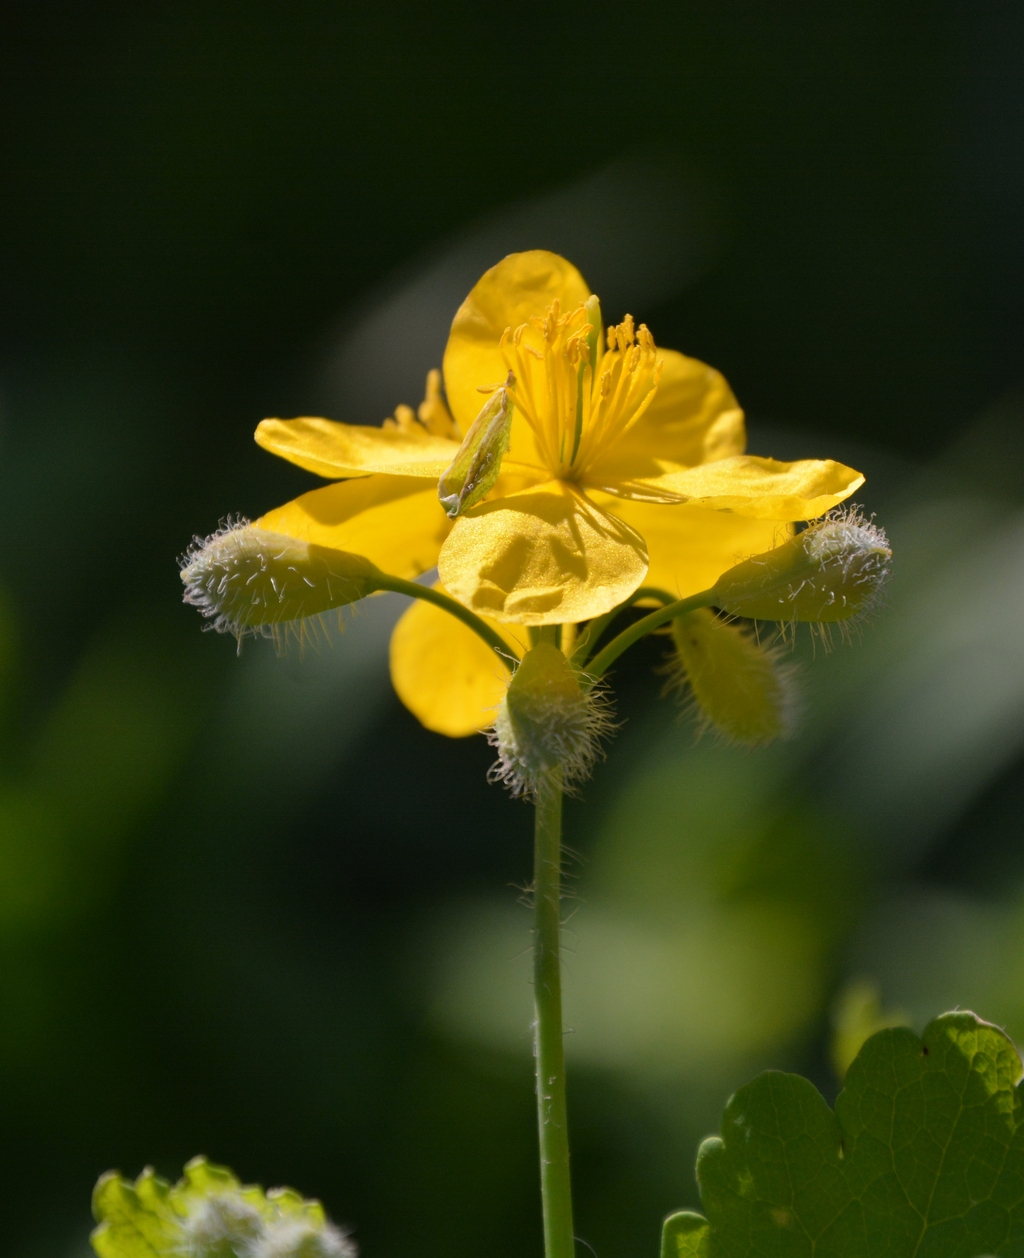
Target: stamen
pixel 433 411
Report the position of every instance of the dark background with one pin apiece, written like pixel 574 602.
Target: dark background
pixel 248 907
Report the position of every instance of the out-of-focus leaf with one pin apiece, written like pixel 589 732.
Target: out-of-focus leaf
pixel 8 646
pixel 857 1014
pixel 36 876
pixel 108 748
pixel 685 1235
pixel 136 1220
pixel 208 1214
pixel 923 1157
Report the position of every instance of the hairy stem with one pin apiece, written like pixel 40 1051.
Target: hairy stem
pixel 556 1193
pixel 470 619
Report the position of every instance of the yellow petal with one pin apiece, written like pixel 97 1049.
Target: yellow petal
pixel 334 450
pixel 694 418
pixel 520 286
pixel 690 547
pixel 761 489
pixel 544 556
pixel 449 679
pixel 394 521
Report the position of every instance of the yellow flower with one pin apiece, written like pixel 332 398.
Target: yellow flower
pixel 624 463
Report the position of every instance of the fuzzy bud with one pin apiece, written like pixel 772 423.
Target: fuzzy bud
pixel 245 580
pixel 222 1225
pixel 301 1238
pixel 832 571
pixel 547 721
pixel 738 686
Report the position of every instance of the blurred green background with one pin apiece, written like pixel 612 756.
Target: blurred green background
pixel 247 906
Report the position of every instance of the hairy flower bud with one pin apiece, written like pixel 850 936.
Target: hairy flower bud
pixel 245 580
pixel 220 1226
pixel 832 571
pixel 547 721
pixel 738 686
pixel 301 1238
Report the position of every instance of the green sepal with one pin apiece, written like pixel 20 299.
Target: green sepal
pixel 922 1158
pixel 473 471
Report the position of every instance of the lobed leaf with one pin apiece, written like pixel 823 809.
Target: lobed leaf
pixel 923 1157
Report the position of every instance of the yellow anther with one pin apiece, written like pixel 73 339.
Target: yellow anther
pixel 577 348
pixel 404 419
pixel 625 332
pixel 433 411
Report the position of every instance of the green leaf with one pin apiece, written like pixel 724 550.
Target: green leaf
pixel 208 1214
pixel 923 1157
pixel 685 1235
pixel 136 1220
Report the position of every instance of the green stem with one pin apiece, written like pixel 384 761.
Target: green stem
pixel 555 1189
pixel 599 624
pixel 470 619
pixel 605 658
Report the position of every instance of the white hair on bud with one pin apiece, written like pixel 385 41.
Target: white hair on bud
pixel 219 1222
pixel 249 582
pixel 542 727
pixel 860 546
pixel 573 739
pixel 301 1238
pixel 833 572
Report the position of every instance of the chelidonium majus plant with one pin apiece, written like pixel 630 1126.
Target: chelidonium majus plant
pixel 577 488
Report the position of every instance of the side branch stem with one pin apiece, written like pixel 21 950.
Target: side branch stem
pixel 606 657
pixel 470 619
pixel 590 636
pixel 556 1194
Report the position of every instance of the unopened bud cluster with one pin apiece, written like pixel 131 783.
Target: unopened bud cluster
pixel 246 580
pixel 834 570
pixel 547 723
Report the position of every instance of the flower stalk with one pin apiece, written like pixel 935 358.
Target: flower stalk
pixel 428 594
pixel 606 657
pixel 549 1051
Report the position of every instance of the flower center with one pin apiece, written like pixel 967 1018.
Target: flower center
pixel 579 397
